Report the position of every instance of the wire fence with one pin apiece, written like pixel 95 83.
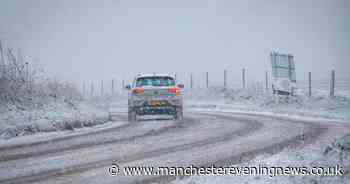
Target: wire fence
pixel 225 79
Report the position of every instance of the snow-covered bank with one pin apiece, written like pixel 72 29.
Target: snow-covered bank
pixel 316 155
pixel 253 100
pixel 48 115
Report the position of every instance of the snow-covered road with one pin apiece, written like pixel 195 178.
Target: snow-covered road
pixel 203 138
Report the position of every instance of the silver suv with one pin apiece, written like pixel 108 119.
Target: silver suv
pixel 153 95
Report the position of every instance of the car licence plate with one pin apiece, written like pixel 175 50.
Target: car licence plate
pixel 156 103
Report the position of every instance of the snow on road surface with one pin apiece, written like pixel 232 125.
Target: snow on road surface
pixel 201 139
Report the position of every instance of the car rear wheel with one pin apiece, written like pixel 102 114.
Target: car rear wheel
pixel 131 115
pixel 179 114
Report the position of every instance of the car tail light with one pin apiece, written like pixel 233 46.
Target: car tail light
pixel 175 91
pixel 138 90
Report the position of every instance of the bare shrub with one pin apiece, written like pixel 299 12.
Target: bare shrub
pixel 20 81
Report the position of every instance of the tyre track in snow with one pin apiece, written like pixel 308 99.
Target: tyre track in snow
pixel 309 133
pixel 306 138
pixel 248 128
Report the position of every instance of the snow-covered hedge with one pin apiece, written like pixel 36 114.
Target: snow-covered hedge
pixel 30 102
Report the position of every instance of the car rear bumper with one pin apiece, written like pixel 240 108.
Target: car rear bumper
pixel 165 101
pixel 154 110
pixel 155 106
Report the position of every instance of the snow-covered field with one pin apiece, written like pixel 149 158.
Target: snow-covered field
pixel 255 100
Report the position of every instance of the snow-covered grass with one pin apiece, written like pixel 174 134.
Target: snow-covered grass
pixel 48 115
pixel 316 155
pixel 257 100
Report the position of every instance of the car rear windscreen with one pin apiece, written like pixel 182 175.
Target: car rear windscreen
pixel 155 81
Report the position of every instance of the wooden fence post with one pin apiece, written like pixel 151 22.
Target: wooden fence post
pixel 207 79
pixel 101 87
pixel 112 87
pixel 191 81
pixel 266 81
pixel 225 78
pixel 243 78
pixel 92 89
pixel 331 94
pixel 309 84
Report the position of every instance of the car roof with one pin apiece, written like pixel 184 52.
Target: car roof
pixel 153 75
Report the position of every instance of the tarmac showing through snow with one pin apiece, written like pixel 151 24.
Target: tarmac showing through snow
pixel 202 139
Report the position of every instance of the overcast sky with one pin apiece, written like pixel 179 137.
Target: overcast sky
pixel 93 40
